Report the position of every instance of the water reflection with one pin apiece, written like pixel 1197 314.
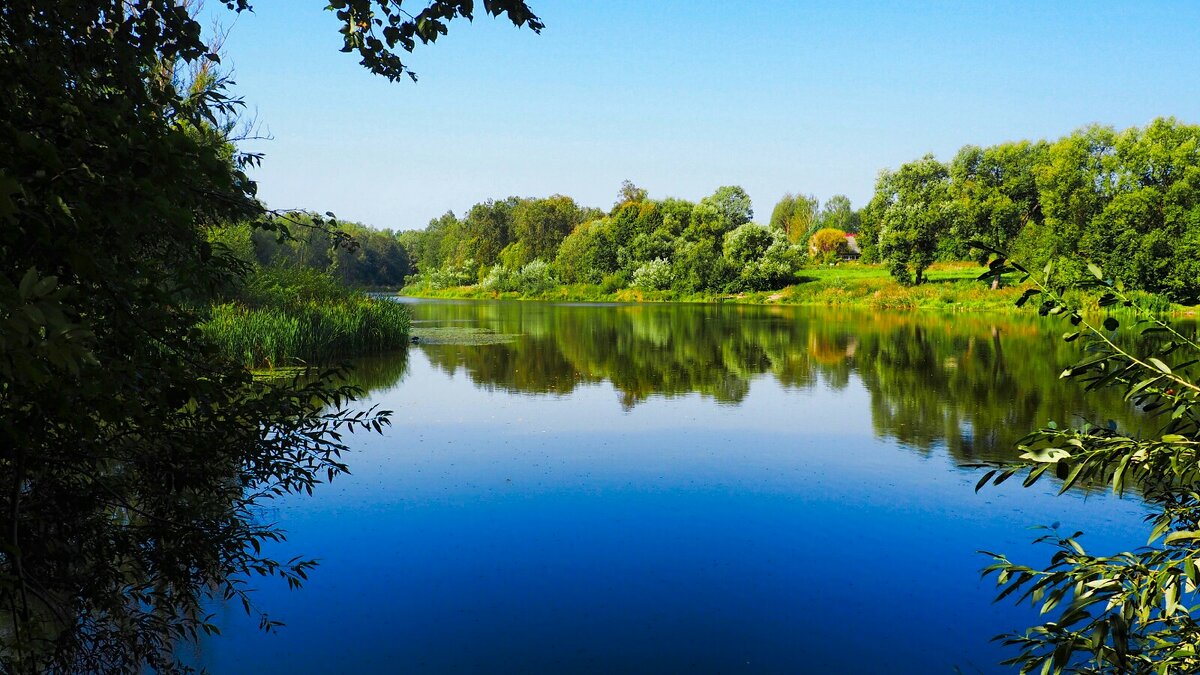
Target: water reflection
pixel 972 383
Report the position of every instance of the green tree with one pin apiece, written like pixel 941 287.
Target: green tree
pixel 540 225
pixel 587 254
pixel 1129 201
pixel 486 229
pixel 828 243
pixel 133 454
pixel 630 193
pixel 995 193
pixel 908 215
pixel 838 213
pixel 795 215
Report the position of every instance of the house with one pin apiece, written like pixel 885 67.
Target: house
pixel 853 252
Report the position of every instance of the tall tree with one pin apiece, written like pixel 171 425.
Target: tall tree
pixel 995 192
pixel 795 215
pixel 1129 201
pixel 839 214
pixel 630 193
pixel 909 213
pixel 540 225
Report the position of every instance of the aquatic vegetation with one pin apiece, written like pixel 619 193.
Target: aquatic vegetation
pixel 310 332
pixel 459 335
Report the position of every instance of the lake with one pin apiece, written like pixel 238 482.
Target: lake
pixel 667 488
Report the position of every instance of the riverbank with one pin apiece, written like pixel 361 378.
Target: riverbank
pixel 949 287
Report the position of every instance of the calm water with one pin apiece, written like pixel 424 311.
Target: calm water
pixel 680 488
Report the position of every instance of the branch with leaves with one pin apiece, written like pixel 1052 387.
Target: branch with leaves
pixel 1133 612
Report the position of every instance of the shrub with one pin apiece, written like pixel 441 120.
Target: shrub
pixel 655 275
pixel 611 283
pixel 828 244
pixel 501 279
pixel 536 277
pixel 452 275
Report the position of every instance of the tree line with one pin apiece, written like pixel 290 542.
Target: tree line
pixel 1126 200
pixel 529 245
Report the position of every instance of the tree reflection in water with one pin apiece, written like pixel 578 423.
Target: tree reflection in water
pixel 974 384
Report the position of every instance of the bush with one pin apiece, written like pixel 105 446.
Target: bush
pixel 537 277
pixel 611 283
pixel 501 279
pixel 828 244
pixel 762 257
pixel 748 243
pixel 655 275
pixel 452 275
pixel 776 268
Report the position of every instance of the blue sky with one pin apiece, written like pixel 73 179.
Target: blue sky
pixel 683 97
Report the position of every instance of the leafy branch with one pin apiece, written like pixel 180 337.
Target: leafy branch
pixel 1132 612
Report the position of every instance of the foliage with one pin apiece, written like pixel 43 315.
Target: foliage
pixel 587 254
pixel 838 214
pixel 287 316
pixel 1128 201
pixel 500 279
pixel 777 267
pixel 135 457
pixel 1131 612
pixel 828 244
pixel 654 275
pixel 995 194
pixel 374 29
pixel 451 275
pixel 747 243
pixel 710 246
pixel 795 215
pixel 907 216
pixel 355 254
pixel 762 256
pixel 536 277
pixel 727 208
pixel 630 193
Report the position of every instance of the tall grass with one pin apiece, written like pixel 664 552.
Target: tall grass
pixel 289 317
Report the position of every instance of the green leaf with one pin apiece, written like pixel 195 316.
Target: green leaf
pixel 1160 365
pixel 1111 324
pixel 1047 455
pixel 1095 270
pixel 27 283
pixel 1190 535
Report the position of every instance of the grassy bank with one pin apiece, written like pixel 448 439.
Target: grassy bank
pixel 285 318
pixel 949 286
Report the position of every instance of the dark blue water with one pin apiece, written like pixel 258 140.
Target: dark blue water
pixel 500 527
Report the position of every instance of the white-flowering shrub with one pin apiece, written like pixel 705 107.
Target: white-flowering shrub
pixel 653 276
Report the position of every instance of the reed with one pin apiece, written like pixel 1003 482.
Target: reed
pixel 284 326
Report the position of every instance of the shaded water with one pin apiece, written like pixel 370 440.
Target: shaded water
pixel 684 487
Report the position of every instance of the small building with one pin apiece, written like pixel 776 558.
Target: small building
pixel 853 252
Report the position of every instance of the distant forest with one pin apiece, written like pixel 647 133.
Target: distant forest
pixel 1127 200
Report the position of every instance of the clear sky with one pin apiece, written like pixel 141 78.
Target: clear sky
pixel 683 97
